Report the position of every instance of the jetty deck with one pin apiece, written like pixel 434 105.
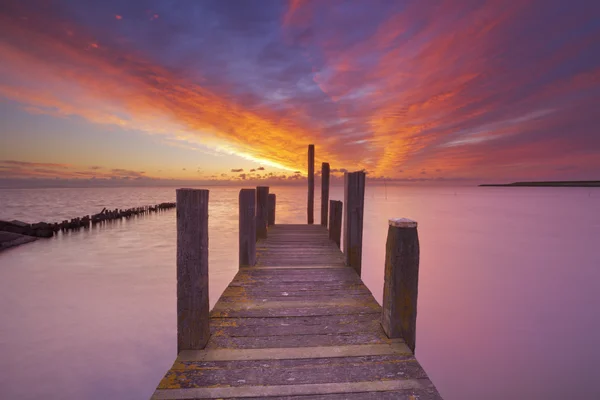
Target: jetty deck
pixel 299 324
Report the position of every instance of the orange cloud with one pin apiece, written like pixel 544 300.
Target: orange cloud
pixel 112 86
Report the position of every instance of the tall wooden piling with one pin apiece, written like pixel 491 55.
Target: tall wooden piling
pixel 192 269
pixel 324 192
pixel 272 203
pixel 401 281
pixel 354 199
pixel 335 221
pixel 247 227
pixel 262 211
pixel 311 183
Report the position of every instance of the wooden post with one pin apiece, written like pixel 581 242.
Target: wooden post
pixel 311 183
pixel 324 193
pixel 335 221
pixel 401 281
pixel 272 202
pixel 247 227
pixel 192 269
pixel 262 213
pixel 354 196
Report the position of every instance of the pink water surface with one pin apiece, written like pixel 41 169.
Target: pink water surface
pixel 509 292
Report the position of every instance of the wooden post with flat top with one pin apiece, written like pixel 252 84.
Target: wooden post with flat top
pixel 247 227
pixel 335 221
pixel 192 269
pixel 401 281
pixel 262 213
pixel 354 199
pixel 311 184
pixel 272 203
pixel 324 192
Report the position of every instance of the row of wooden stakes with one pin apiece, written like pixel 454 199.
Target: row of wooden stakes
pixel 110 215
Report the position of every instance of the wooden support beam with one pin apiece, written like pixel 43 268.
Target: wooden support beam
pixel 262 213
pixel 192 269
pixel 311 184
pixel 324 193
pixel 247 229
pixel 272 203
pixel 354 199
pixel 401 281
pixel 335 221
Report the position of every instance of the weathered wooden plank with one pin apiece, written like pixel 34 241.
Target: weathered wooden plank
pixel 283 329
pixel 326 339
pixel 247 227
pixel 428 392
pixel 299 321
pixel 311 354
pixel 192 269
pixel 311 184
pixel 290 389
pixel 324 193
pixel 222 311
pixel 297 267
pixel 194 375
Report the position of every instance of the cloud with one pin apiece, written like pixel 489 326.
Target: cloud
pixel 237 170
pixel 382 87
pixel 126 173
pixel 29 164
pixel 260 168
pixel 252 170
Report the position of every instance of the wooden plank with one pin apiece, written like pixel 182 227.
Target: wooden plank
pixel 192 269
pixel 428 392
pixel 294 267
pixel 313 353
pixel 311 184
pixel 193 374
pixel 324 193
pixel 290 390
pixel 304 340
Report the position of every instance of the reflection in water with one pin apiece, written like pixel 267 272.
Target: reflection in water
pixel 508 291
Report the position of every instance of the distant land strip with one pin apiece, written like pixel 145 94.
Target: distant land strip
pixel 548 184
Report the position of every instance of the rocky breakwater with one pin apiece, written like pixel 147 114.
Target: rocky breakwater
pixel 14 233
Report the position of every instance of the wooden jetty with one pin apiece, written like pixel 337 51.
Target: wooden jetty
pixel 296 322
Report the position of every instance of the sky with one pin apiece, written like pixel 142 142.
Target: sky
pixel 213 90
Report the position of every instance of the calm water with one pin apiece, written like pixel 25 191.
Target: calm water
pixel 509 292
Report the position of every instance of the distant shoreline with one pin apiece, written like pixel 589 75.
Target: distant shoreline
pixel 548 184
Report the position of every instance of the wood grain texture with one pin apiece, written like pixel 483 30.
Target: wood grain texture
pixel 192 269
pixel 324 193
pixel 335 221
pixel 401 283
pixel 354 195
pixel 272 206
pixel 310 207
pixel 247 227
pixel 300 324
pixel 262 211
